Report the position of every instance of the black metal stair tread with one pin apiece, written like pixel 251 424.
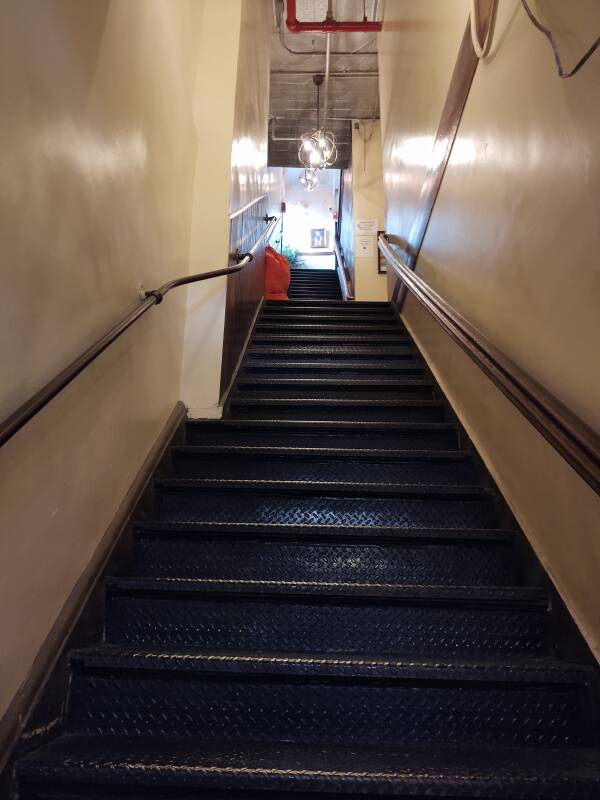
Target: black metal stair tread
pixel 318 328
pixel 343 317
pixel 252 366
pixel 304 426
pixel 374 350
pixel 320 487
pixel 367 454
pixel 338 383
pixel 490 773
pixel 370 338
pixel 496 596
pixel 324 533
pixel 273 400
pixel 288 305
pixel 351 665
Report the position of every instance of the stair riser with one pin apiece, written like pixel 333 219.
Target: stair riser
pixel 326 711
pixel 328 317
pixel 203 556
pixel 364 339
pixel 307 509
pixel 285 306
pixel 353 393
pixel 315 285
pixel 318 328
pixel 324 627
pixel 270 467
pixel 265 410
pixel 255 369
pixel 417 440
pixel 344 355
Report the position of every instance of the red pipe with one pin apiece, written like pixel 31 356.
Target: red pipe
pixel 328 25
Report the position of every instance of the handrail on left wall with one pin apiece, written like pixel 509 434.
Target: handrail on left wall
pixel 15 421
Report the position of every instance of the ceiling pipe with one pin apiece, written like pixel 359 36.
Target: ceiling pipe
pixel 329 25
pixel 278 11
pixel 327 71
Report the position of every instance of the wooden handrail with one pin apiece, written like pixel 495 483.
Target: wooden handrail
pixel 576 442
pixel 15 421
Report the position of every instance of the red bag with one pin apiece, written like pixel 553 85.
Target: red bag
pixel 277 275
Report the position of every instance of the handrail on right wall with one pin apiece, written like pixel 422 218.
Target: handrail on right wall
pixel 576 442
pixel 347 290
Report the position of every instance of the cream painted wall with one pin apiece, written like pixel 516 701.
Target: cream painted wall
pixel 512 244
pixel 231 116
pixel 97 139
pixel 367 203
pixel 119 119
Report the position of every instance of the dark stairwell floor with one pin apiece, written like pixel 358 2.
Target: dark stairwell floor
pixel 328 600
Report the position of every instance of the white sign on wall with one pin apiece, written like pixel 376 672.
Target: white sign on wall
pixel 364 227
pixel 365 237
pixel 365 246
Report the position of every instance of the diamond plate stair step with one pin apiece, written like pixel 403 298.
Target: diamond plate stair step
pixel 406 389
pixel 337 309
pixel 367 306
pixel 314 283
pixel 340 384
pixel 284 367
pixel 349 436
pixel 329 407
pixel 329 488
pixel 372 338
pixel 331 351
pixel 314 291
pixel 361 700
pixel 296 553
pixel 336 617
pixel 314 277
pixel 328 327
pixel 318 504
pixel 148 767
pixel 293 368
pixel 322 464
pixel 329 317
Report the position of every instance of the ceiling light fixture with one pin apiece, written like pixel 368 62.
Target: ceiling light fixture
pixel 318 149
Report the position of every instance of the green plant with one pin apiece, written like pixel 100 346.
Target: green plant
pixel 293 256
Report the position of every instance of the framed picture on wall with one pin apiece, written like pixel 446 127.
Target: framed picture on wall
pixel 319 238
pixel 381 262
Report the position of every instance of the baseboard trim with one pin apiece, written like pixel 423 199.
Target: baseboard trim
pixel 25 725
pixel 225 396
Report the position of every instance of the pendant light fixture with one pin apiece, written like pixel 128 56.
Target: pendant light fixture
pixel 317 149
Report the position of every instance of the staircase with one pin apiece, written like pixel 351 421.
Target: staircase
pixel 314 284
pixel 328 600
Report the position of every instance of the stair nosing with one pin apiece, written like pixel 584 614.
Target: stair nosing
pixel 297 591
pixel 335 401
pixel 541 671
pixel 310 533
pixel 390 490
pixel 348 454
pixel 320 769
pixel 336 425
